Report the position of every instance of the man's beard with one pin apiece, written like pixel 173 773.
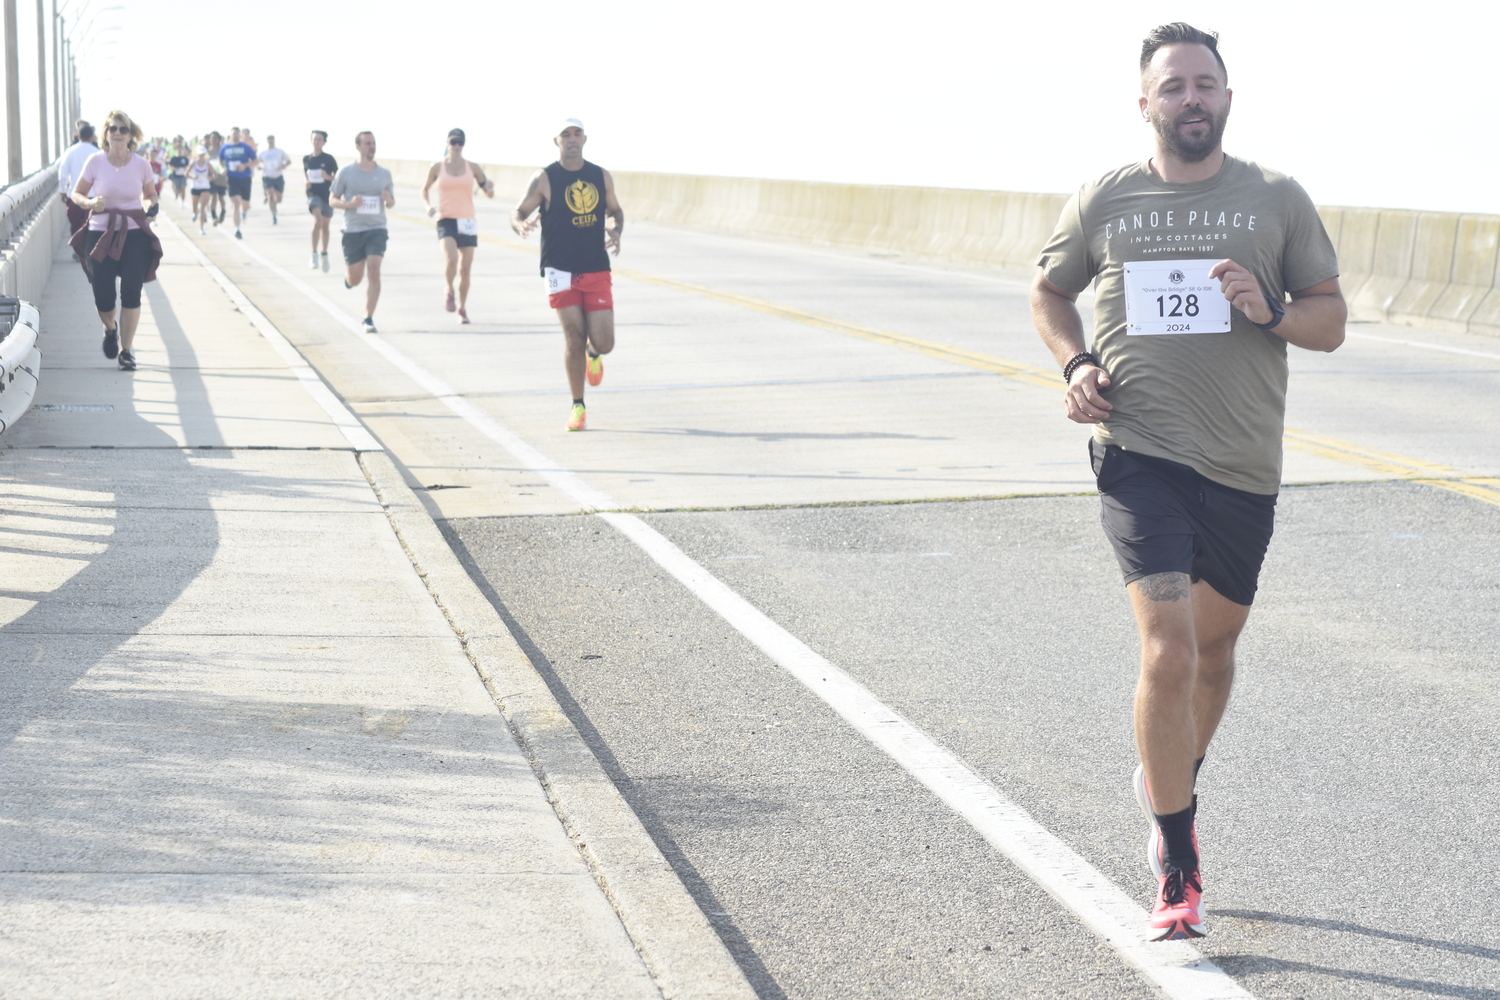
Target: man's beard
pixel 1191 150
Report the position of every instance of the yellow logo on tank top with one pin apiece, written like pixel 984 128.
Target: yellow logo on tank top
pixel 582 197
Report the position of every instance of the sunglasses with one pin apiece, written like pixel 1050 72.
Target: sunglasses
pixel 122 129
pixel 455 141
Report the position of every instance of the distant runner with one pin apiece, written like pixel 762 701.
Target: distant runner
pixel 364 191
pixel 220 188
pixel 457 229
pixel 238 158
pixel 200 174
pixel 273 160
pixel 576 244
pixel 319 169
pixel 70 168
pixel 1192 255
pixel 177 167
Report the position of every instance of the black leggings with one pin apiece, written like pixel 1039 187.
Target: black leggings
pixel 130 270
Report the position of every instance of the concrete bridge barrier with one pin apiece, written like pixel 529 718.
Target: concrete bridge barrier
pixel 33 223
pixel 1432 269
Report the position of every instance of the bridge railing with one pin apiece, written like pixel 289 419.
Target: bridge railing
pixel 1431 269
pixel 33 223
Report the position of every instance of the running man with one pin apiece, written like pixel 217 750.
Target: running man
pixel 273 160
pixel 576 244
pixel 363 189
pixel 457 229
pixel 238 158
pixel 1195 253
pixel 70 168
pixel 320 169
pixel 220 182
pixel 177 166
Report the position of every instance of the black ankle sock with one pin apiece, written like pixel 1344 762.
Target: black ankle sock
pixel 1177 831
pixel 577 402
pixel 1197 766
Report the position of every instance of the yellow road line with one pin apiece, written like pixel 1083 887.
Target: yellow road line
pixel 1394 466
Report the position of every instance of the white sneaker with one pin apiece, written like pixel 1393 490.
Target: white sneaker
pixel 325 263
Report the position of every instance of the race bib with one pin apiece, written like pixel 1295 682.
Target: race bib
pixel 1173 296
pixel 315 177
pixel 557 281
pixel 468 227
pixel 369 204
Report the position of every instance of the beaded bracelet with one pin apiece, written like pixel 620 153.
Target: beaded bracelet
pixel 1076 362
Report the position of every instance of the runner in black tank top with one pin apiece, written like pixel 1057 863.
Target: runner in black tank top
pixel 576 198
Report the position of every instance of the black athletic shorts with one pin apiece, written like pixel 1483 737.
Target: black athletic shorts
pixel 448 229
pixel 179 181
pixel 273 183
pixel 239 187
pixel 365 243
pixel 1165 517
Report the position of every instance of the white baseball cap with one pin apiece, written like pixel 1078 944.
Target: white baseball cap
pixel 570 123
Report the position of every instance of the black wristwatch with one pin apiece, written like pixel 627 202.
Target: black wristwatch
pixel 1278 313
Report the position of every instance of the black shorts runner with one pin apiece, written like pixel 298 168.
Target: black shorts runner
pixel 362 244
pixel 448 229
pixel 239 187
pixel 1165 517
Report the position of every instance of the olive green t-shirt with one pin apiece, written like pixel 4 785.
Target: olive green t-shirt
pixel 1214 401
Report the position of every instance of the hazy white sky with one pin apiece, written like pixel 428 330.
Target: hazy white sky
pixel 1386 107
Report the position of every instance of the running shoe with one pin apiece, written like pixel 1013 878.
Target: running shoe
pixel 450 302
pixel 578 419
pixel 315 260
pixel 463 315
pixel 325 263
pixel 369 324
pixel 1156 847
pixel 127 361
pixel 201 231
pixel 595 373
pixel 111 343
pixel 1178 912
pixel 237 234
pixel 273 218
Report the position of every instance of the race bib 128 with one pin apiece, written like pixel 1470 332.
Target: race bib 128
pixel 1173 296
pixel 557 281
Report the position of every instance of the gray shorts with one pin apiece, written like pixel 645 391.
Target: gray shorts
pixel 365 243
pixel 320 205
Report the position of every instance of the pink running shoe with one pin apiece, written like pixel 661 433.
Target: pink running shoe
pixel 1178 912
pixel 450 301
pixel 1156 847
pixel 463 315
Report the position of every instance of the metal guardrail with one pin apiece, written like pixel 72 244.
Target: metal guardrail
pixel 33 223
pixel 20 202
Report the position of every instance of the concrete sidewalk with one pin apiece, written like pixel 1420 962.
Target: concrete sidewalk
pixel 244 754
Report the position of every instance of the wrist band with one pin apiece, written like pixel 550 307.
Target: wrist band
pixel 1076 362
pixel 1278 312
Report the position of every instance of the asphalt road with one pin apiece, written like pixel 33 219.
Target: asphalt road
pixel 1348 808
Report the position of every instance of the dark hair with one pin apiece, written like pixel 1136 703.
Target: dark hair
pixel 361 135
pixel 85 132
pixel 318 131
pixel 1180 33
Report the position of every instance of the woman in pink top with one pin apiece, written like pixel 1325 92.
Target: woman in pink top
pixel 457 229
pixel 116 185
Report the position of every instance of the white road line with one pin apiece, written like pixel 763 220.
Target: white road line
pixel 1423 344
pixel 354 432
pixel 1175 966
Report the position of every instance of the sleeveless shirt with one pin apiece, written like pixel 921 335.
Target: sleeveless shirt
pixel 455 195
pixel 573 221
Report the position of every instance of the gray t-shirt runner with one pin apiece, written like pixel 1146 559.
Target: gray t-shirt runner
pixel 1215 401
pixel 366 185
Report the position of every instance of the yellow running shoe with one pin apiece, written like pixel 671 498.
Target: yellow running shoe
pixel 595 373
pixel 578 419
